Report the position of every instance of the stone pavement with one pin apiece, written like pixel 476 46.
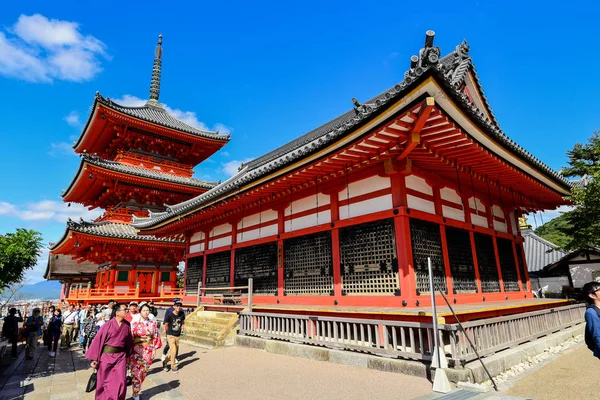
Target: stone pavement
pixel 65 377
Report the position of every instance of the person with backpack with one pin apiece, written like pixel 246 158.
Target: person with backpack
pixel 53 331
pixel 33 327
pixel 10 329
pixel 591 291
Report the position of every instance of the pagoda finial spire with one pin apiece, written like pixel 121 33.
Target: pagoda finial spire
pixel 156 70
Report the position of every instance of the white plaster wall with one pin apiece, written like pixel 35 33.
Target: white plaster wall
pixel 500 226
pixel 474 201
pixel 257 234
pixel 365 207
pixel 479 220
pixel 419 184
pixel 307 203
pixel 255 219
pixel 420 204
pixel 497 211
pixel 365 186
pixel 454 213
pixel 450 195
pixel 197 236
pixel 555 284
pixel 308 221
pixel 196 247
pixel 584 273
pixel 513 224
pixel 224 241
pixel 220 229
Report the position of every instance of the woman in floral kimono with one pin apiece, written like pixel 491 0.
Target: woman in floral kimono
pixel 146 339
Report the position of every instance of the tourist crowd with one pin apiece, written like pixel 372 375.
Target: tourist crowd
pixel 120 339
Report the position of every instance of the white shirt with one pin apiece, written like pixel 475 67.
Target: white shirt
pixel 69 319
pixel 137 317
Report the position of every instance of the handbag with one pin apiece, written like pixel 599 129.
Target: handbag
pixel 91 385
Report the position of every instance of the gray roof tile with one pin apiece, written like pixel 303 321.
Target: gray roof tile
pixel 539 252
pixel 114 230
pixel 147 173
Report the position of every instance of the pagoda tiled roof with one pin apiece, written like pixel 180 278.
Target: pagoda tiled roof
pixel 145 173
pixel 152 112
pixel 451 71
pixel 114 230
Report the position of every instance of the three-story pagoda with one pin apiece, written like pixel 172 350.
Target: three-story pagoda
pixel 134 160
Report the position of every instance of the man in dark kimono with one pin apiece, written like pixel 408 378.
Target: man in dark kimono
pixel 109 351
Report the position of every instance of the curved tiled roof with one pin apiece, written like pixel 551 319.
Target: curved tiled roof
pixel 146 173
pixel 451 71
pixel 114 230
pixel 539 252
pixel 152 112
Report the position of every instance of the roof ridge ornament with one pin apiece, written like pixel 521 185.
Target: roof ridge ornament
pixel 156 72
pixel 428 56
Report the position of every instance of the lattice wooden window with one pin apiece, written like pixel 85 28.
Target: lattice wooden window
pixel 507 265
pixel 259 263
pixel 193 274
pixel 486 259
pixel 460 254
pixel 217 270
pixel 369 263
pixel 519 247
pixel 307 265
pixel 427 242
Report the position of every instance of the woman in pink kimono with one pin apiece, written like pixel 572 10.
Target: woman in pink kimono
pixel 146 339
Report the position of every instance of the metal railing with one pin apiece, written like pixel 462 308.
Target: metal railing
pixel 226 295
pixel 411 340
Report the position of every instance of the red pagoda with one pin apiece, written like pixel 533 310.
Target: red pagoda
pixel 134 160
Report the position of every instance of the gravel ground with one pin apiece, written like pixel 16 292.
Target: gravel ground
pixel 237 372
pixel 573 374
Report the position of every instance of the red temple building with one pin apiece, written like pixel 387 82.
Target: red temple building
pixel 346 215
pixel 134 160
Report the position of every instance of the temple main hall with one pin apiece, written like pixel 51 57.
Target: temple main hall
pixel 347 215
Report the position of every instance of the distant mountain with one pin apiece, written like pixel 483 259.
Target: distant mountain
pixel 45 290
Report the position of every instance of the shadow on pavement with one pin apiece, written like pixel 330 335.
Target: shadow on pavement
pixel 160 389
pixel 186 355
pixel 186 362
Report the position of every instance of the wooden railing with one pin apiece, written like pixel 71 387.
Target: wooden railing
pixel 494 334
pixel 87 293
pixel 226 295
pixel 411 340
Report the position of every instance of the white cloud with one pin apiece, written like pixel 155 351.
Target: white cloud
pixel 61 149
pixel 41 49
pixel 47 210
pixel 230 168
pixel 189 117
pixel 73 119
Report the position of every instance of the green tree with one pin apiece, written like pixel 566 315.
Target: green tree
pixel 553 231
pixel 19 252
pixel 583 223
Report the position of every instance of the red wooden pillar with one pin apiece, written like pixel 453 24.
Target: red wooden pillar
pixel 234 225
pixel 406 270
pixel 467 211
pixel 280 230
pixel 514 248
pixel 500 280
pixel 205 258
pixel 525 268
pixel 335 243
pixel 437 201
pixel 185 252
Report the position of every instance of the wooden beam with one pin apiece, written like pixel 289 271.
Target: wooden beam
pixel 414 137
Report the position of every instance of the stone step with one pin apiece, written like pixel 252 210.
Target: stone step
pixel 218 321
pixel 206 325
pixel 204 333
pixel 208 342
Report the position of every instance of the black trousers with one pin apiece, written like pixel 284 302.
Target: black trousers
pixel 53 342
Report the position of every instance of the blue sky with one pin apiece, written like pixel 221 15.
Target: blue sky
pixel 269 72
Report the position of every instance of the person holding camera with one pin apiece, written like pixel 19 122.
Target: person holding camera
pixel 10 329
